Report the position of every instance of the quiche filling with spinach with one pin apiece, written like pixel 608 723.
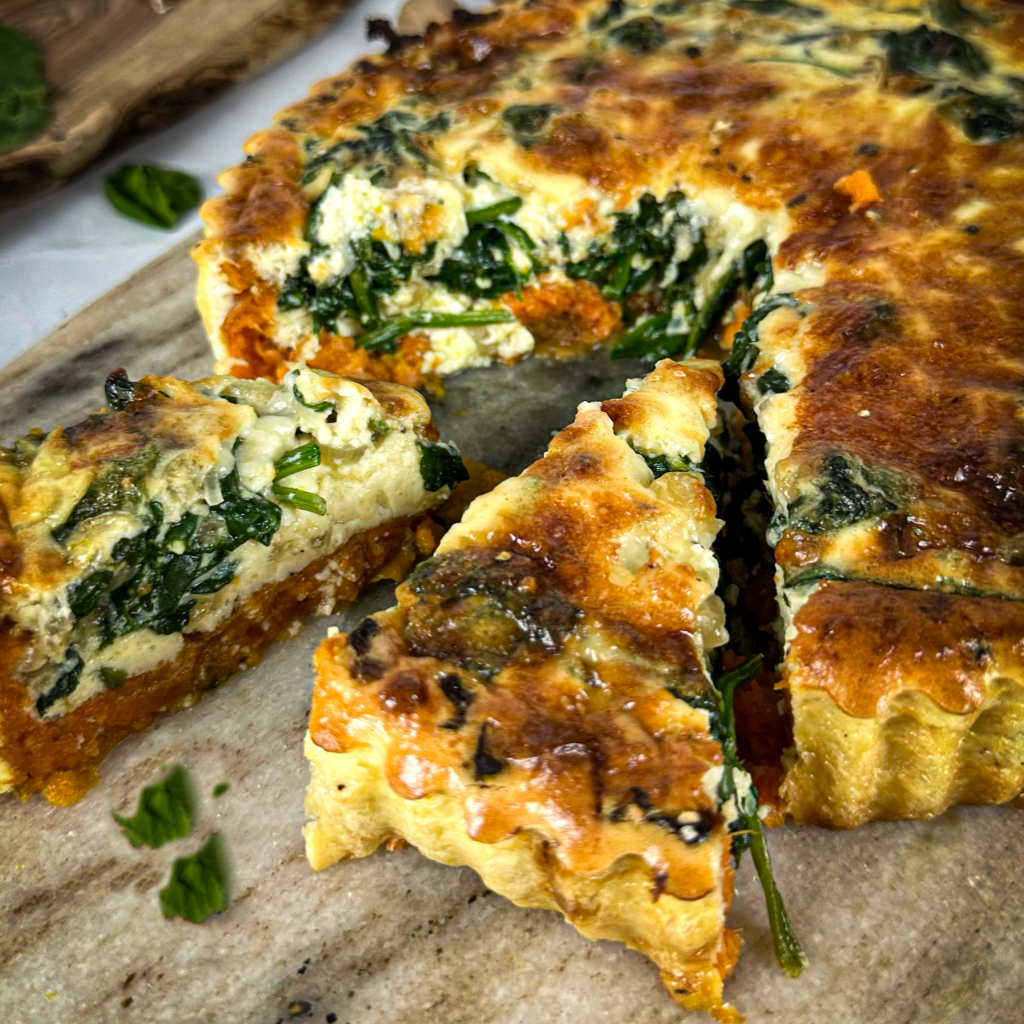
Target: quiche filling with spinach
pixel 159 516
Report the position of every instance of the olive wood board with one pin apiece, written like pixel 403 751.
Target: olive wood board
pixel 911 923
pixel 119 66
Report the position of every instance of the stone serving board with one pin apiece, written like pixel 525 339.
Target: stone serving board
pixel 917 923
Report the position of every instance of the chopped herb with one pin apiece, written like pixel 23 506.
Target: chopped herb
pixel 221 788
pixel 378 427
pixel 65 681
pixel 440 465
pixel 199 883
pixel 641 35
pixel 23 108
pixel 152 195
pixel 659 465
pixel 325 406
pixel 167 810
pixel 528 121
pixel 113 678
pixel 485 213
pixel 306 456
pixel 306 501
pixel 787 948
pixel 384 337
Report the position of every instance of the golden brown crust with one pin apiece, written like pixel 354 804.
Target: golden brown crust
pixel 904 703
pixel 35 750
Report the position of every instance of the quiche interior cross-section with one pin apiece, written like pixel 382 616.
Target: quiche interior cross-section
pixel 833 190
pixel 152 550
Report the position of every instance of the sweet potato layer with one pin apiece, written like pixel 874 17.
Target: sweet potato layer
pixel 36 750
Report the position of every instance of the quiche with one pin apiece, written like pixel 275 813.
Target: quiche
pixel 538 704
pixel 155 548
pixel 831 190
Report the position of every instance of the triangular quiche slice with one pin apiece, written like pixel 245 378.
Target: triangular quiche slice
pixel 538 703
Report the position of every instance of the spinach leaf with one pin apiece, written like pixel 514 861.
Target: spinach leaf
pixel 385 336
pixel 788 953
pixel 23 108
pixel 65 681
pixel 483 265
pixel 924 50
pixel 744 344
pixel 776 8
pixel 295 497
pixel 390 141
pixel 985 119
pixel 306 456
pixel 440 465
pixel 114 487
pixel 84 596
pixel 325 406
pixel 773 382
pixel 527 122
pixel 152 195
pixel 199 884
pixel 845 492
pixel 641 35
pixel 167 810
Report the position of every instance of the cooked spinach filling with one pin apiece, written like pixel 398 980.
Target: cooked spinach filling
pixel 153 578
pixel 845 492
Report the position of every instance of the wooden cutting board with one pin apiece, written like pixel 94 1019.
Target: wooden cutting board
pixel 118 66
pixel 907 923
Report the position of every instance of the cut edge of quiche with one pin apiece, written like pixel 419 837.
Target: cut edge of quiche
pixel 154 549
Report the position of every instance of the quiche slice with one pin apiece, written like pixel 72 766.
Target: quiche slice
pixel 538 705
pixel 155 548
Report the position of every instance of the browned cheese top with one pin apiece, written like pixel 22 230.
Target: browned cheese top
pixel 864 644
pixel 538 667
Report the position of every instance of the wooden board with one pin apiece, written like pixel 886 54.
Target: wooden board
pixel 914 923
pixel 117 66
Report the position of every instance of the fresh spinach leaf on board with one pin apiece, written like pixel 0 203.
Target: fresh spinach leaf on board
pixel 23 108
pixel 167 810
pixel 153 195
pixel 199 885
pixel 440 465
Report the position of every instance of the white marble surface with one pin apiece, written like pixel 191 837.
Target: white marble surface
pixel 63 251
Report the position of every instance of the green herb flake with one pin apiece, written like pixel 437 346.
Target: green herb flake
pixel 199 883
pixel 23 108
pixel 440 465
pixel 167 810
pixel 152 195
pixel 221 788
